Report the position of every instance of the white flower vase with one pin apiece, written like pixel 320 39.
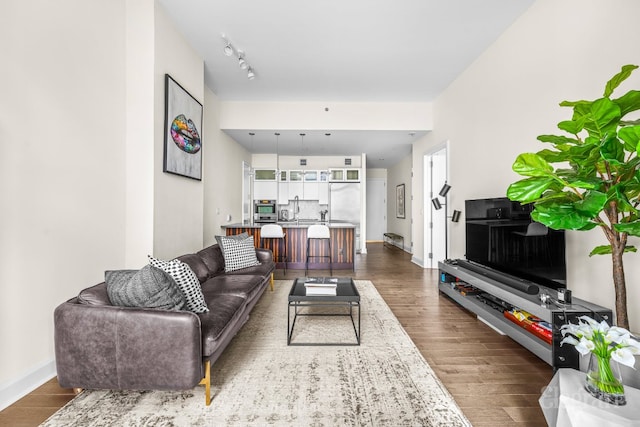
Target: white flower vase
pixel 604 380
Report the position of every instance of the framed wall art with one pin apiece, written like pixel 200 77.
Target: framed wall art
pixel 400 201
pixel 182 131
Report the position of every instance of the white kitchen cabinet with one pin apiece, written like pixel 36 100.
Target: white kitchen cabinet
pixel 336 175
pixel 283 193
pixel 311 191
pixel 323 193
pixel 296 185
pixel 264 175
pixel 352 175
pixel 265 190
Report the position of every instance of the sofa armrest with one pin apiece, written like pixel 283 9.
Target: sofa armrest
pixel 265 256
pixel 107 347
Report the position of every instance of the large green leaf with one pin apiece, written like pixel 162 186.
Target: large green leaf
pixel 592 203
pixel 612 150
pixel 606 250
pixel 557 139
pixel 632 228
pixel 628 102
pixel 603 118
pixel 618 78
pixel 530 164
pixel 552 156
pixel 572 126
pixel 530 189
pixel 631 137
pixel 560 216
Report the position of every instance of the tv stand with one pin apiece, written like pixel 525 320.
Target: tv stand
pixel 555 314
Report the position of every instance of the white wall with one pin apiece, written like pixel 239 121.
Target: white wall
pixel 400 173
pixel 223 168
pixel 178 201
pixel 558 50
pixel 312 115
pixel 62 170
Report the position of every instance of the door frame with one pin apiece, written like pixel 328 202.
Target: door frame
pixel 429 192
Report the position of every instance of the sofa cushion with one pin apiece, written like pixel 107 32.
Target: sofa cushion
pixel 95 295
pixel 186 280
pixel 238 253
pixel 197 265
pixel 245 285
pixel 148 287
pixel 213 259
pixel 227 310
pixel 263 270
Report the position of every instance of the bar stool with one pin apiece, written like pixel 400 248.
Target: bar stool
pixel 274 231
pixel 318 231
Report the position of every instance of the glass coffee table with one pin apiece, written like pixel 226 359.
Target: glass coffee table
pixel 346 297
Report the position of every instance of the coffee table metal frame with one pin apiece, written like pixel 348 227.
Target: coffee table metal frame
pixel 346 295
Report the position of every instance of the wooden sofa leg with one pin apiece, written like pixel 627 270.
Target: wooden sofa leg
pixel 271 282
pixel 206 382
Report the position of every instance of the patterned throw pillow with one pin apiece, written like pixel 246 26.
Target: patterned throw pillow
pixel 238 253
pixel 149 287
pixel 241 236
pixel 186 280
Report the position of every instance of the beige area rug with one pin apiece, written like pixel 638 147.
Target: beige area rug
pixel 260 381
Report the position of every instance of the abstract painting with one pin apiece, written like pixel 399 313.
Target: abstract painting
pixel 182 131
pixel 400 201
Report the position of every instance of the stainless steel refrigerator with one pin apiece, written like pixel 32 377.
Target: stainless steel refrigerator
pixel 344 205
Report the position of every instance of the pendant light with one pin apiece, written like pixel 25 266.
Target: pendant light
pixel 277 134
pixel 303 162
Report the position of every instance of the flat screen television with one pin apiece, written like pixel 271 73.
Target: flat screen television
pixel 500 235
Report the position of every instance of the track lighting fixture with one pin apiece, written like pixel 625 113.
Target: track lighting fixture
pixel 242 61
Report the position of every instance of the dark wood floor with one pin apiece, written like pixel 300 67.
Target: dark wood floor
pixel 495 381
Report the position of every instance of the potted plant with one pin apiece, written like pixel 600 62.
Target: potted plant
pixel 597 180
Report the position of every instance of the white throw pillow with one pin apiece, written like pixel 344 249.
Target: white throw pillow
pixel 186 280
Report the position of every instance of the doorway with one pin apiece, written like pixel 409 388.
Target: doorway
pixel 376 209
pixel 436 167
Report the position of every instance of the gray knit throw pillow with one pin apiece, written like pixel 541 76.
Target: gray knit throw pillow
pixel 149 287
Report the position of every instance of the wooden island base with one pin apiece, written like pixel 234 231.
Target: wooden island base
pixel 342 245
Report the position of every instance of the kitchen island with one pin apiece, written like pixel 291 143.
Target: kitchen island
pixel 342 244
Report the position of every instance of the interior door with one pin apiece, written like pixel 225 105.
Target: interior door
pixel 376 208
pixel 435 221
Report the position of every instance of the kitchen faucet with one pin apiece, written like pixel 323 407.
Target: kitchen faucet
pixel 296 209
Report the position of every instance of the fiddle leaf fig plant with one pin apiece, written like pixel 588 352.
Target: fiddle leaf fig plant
pixel 590 177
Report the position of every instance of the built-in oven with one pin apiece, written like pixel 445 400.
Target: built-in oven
pixel 264 211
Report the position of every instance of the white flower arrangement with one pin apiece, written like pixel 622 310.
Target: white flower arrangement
pixel 606 342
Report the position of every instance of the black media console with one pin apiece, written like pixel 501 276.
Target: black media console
pixel 494 293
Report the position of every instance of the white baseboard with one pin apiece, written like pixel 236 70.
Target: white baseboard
pixel 12 391
pixel 417 261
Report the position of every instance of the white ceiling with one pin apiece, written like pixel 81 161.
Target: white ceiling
pixel 340 51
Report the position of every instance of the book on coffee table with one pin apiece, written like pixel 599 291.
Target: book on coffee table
pixel 315 286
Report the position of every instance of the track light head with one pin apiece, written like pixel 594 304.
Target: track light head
pixel 436 203
pixel 445 189
pixel 228 49
pixel 456 216
pixel 241 61
pixel 250 73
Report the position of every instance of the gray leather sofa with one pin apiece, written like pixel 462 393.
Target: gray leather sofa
pixel 101 346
